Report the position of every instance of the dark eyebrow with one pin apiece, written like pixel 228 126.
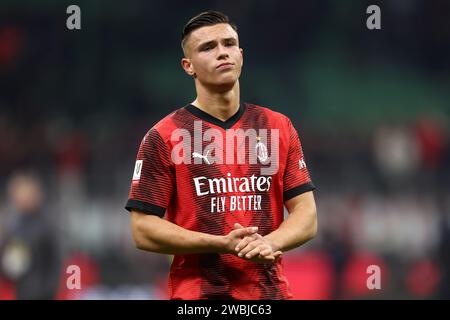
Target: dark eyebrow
pixel 205 44
pixel 233 40
pixel 213 42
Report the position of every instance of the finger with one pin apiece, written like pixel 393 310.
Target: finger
pixel 254 252
pixel 265 252
pixel 244 231
pixel 252 245
pixel 238 226
pixel 265 259
pixel 277 255
pixel 244 242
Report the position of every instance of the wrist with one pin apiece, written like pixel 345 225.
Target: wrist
pixel 273 243
pixel 220 244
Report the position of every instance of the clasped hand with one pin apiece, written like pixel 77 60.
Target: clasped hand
pixel 247 244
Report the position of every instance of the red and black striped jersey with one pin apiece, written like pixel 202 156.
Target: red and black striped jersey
pixel 205 175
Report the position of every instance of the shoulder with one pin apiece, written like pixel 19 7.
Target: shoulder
pixel 269 112
pixel 164 128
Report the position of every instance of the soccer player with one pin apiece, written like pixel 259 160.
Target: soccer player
pixel 212 178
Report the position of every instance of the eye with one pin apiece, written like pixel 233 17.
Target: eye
pixel 206 48
pixel 230 43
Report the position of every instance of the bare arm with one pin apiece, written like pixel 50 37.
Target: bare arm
pixel 152 233
pixel 299 227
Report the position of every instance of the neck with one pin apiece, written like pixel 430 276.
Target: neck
pixel 221 105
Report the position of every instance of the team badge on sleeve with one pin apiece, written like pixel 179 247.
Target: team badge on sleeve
pixel 137 170
pixel 302 163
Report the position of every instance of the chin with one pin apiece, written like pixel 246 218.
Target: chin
pixel 228 80
pixel 225 85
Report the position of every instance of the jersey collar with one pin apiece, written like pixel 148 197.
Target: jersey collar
pixel 209 118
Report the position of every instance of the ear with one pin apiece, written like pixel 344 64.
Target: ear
pixel 187 66
pixel 242 55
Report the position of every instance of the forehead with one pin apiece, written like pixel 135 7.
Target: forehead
pixel 211 33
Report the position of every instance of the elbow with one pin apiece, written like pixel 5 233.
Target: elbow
pixel 313 229
pixel 139 241
pixel 142 242
pixel 139 233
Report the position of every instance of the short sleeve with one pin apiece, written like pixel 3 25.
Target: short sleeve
pixel 296 179
pixel 152 185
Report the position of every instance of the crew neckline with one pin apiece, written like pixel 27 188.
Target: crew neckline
pixel 227 124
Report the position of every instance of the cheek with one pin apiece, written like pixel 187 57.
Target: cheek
pixel 201 65
pixel 238 58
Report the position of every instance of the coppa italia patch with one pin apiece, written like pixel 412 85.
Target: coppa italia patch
pixel 137 171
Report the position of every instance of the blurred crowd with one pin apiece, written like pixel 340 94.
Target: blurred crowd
pixel 383 199
pixel 74 107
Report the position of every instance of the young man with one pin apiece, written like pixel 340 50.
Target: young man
pixel 221 171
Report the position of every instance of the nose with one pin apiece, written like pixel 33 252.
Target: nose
pixel 222 52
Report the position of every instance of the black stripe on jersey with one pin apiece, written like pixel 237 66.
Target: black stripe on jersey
pixel 289 194
pixel 209 118
pixel 145 207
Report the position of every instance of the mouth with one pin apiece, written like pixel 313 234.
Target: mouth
pixel 225 65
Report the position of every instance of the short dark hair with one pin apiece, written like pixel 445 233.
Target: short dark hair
pixel 207 18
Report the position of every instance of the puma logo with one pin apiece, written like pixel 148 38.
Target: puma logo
pixel 198 155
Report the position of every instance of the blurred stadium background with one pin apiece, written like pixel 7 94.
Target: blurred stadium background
pixel 371 107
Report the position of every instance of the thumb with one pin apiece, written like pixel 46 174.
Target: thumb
pixel 238 226
pixel 277 255
pixel 245 231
